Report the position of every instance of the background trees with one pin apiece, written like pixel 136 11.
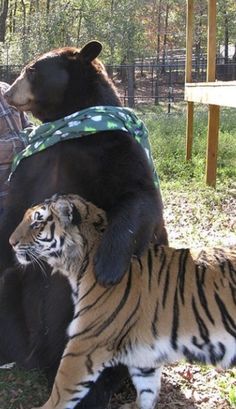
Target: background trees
pixel 128 29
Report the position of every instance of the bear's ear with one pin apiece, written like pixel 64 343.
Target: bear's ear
pixel 91 50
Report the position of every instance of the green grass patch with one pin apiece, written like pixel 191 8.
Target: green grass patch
pixel 168 139
pixel 227 386
pixel 21 389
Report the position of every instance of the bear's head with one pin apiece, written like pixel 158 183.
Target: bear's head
pixel 61 82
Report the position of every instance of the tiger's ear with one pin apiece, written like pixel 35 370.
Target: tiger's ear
pixel 91 50
pixel 76 217
pixel 66 212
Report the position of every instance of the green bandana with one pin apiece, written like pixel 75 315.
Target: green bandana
pixel 85 122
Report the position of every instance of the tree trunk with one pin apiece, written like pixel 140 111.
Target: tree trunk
pixel 48 6
pixel 165 38
pixel 198 43
pixel 112 41
pixel 159 31
pixel 3 19
pixel 156 89
pixel 80 23
pixel 14 17
pixel 24 16
pixel 31 7
pixel 226 35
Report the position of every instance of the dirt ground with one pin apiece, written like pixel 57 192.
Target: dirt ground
pixel 186 386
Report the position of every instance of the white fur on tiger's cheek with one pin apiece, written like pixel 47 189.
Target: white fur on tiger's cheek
pixel 22 259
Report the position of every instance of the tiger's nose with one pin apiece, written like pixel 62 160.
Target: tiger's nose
pixel 13 242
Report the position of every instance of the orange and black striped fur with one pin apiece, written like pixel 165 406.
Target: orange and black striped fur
pixel 171 304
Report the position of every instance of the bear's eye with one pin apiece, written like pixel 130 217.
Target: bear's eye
pixel 30 73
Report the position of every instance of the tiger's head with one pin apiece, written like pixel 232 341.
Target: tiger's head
pixel 57 231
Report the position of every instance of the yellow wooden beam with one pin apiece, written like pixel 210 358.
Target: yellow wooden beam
pixel 189 130
pixel 212 144
pixel 213 110
pixel 188 77
pixel 222 93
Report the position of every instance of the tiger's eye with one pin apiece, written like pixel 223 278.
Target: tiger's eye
pixel 35 225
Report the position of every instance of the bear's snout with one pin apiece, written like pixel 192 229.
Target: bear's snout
pixel 19 94
pixel 8 95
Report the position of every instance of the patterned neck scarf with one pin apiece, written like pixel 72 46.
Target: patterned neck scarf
pixel 87 121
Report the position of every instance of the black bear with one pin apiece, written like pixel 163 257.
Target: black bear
pixel 109 168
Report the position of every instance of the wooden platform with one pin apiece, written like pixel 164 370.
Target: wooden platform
pixel 215 93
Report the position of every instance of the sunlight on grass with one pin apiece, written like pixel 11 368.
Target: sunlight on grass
pixel 227 386
pixel 232 395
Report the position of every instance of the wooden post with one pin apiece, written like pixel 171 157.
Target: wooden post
pixel 189 130
pixel 213 110
pixel 212 144
pixel 188 78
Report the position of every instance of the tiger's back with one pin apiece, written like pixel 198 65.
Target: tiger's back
pixel 171 304
pixel 175 303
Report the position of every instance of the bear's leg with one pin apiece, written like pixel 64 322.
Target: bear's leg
pixel 130 229
pixel 101 392
pixel 13 331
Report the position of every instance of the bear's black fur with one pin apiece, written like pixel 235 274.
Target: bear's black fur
pixel 109 169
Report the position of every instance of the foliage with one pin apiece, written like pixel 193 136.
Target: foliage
pixel 129 29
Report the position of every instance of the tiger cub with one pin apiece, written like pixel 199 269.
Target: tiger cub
pixel 171 304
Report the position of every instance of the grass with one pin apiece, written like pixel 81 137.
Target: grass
pixel 228 388
pixel 196 215
pixel 232 394
pixel 21 389
pixel 167 136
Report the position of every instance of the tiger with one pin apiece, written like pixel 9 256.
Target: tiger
pixel 171 304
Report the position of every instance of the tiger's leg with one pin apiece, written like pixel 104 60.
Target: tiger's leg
pixel 147 382
pixel 80 367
